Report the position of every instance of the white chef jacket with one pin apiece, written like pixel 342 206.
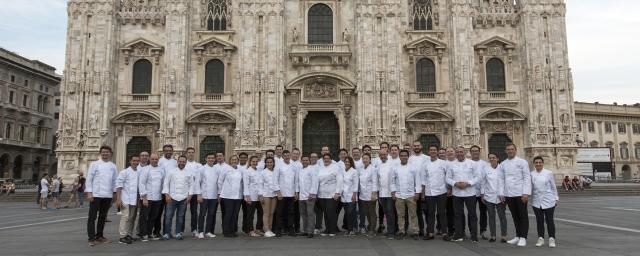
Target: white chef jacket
pixel 385 179
pixel 479 166
pixel 251 181
pixel 167 163
pixel 517 177
pixel 128 181
pixel 434 177
pixel 376 162
pixel 340 165
pixel 406 181
pixel 307 182
pixel 349 185
pixel 150 182
pixel 260 166
pixel 393 161
pixel 545 193
pixel 230 184
pixel 417 162
pixel 178 184
pixel 329 182
pixel 492 184
pixel 269 179
pixel 368 181
pixel 101 179
pixel 358 165
pixel 287 179
pixel 207 184
pixel 194 167
pixel 320 162
pixel 462 171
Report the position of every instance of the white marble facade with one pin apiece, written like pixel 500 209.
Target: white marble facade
pixel 274 77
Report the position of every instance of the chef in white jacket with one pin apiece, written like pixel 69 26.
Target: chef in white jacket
pixel 178 188
pixel 408 186
pixel 307 190
pixel 349 194
pixel 544 199
pixel 127 197
pixel 251 180
pixel 491 189
pixel 329 192
pixel 230 184
pixel 462 176
pixel 150 188
pixel 368 196
pixel 207 190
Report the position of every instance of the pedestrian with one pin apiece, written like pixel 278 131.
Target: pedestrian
pixel 329 192
pixel 462 176
pixel 80 190
pixel 72 194
pixel 177 189
pixel 349 196
pixel 150 184
pixel 127 199
pixel 406 189
pixel 44 191
pixel 491 186
pixel 230 184
pixel 100 188
pixel 56 187
pixel 544 199
pixel 516 191
pixel 270 190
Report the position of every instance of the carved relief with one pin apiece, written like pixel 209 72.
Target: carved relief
pixel 320 91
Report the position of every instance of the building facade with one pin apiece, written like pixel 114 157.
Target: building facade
pixel 27 123
pixel 612 126
pixel 236 75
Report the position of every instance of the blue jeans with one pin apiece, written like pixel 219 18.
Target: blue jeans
pixel 80 198
pixel 170 210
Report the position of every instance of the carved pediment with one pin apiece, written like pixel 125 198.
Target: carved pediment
pixel 214 47
pixel 426 46
pixel 210 117
pixel 135 118
pixel 142 48
pixel 429 116
pixel 495 41
pixel 502 115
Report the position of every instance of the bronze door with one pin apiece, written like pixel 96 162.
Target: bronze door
pixel 210 144
pixel 320 129
pixel 136 145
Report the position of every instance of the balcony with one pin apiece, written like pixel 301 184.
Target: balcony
pixel 427 99
pixel 140 101
pixel 213 100
pixel 498 98
pixel 320 54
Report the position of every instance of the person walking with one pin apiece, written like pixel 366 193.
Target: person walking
pixel 80 190
pixel 100 188
pixel 56 187
pixel 491 185
pixel 44 191
pixel 544 199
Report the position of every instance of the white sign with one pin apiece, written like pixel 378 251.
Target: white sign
pixel 593 155
pixel 586 169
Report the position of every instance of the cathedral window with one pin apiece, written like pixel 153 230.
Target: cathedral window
pixel 422 15
pixel 425 76
pixel 320 30
pixel 214 77
pixel 142 72
pixel 495 75
pixel 217 15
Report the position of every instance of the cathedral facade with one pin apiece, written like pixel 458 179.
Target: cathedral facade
pixel 238 75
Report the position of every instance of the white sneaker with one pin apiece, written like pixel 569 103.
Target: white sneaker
pixel 210 235
pixel 316 231
pixel 522 242
pixel 514 240
pixel 194 233
pixel 200 235
pixel 269 234
pixel 540 242
pixel 552 242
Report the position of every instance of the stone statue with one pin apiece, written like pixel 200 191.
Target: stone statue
pixel 345 35
pixel 236 137
pixel 68 124
pixel 93 122
pixel 294 35
pixel 171 119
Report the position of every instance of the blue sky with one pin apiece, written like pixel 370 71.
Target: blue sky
pixel 603 42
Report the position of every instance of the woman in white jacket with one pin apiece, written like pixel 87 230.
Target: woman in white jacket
pixel 349 197
pixel 251 181
pixel 329 191
pixel 230 183
pixel 267 196
pixel 544 199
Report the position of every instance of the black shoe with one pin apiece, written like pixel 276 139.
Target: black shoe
pixel 292 233
pixel 428 238
pixel 304 234
pixel 310 236
pixel 474 240
pixel 446 238
pixel 504 241
pixel 124 240
pixel 380 229
pixel 492 240
pixel 415 236
pixel 278 234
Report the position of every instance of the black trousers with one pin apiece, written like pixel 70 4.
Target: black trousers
pixel 421 212
pixel 157 225
pixel 361 215
pixel 98 209
pixel 380 215
pixel 193 209
pixel 318 211
pixel 451 217
pixel 248 212
pixel 230 215
pixel 519 214
pixel 388 208
pixel 148 216
pixel 459 204
pixel 542 216
pixel 482 207
pixel 350 216
pixel 436 204
pixel 208 212
pixel 328 210
pixel 285 215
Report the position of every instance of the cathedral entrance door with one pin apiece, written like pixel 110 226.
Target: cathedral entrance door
pixel 497 144
pixel 210 144
pixel 320 129
pixel 136 145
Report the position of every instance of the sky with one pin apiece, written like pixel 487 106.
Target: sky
pixel 603 37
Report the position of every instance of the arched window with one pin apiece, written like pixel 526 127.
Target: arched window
pixel 142 71
pixel 217 15
pixel 624 150
pixel 422 15
pixel 214 77
pixel 425 76
pixel 495 76
pixel 320 29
